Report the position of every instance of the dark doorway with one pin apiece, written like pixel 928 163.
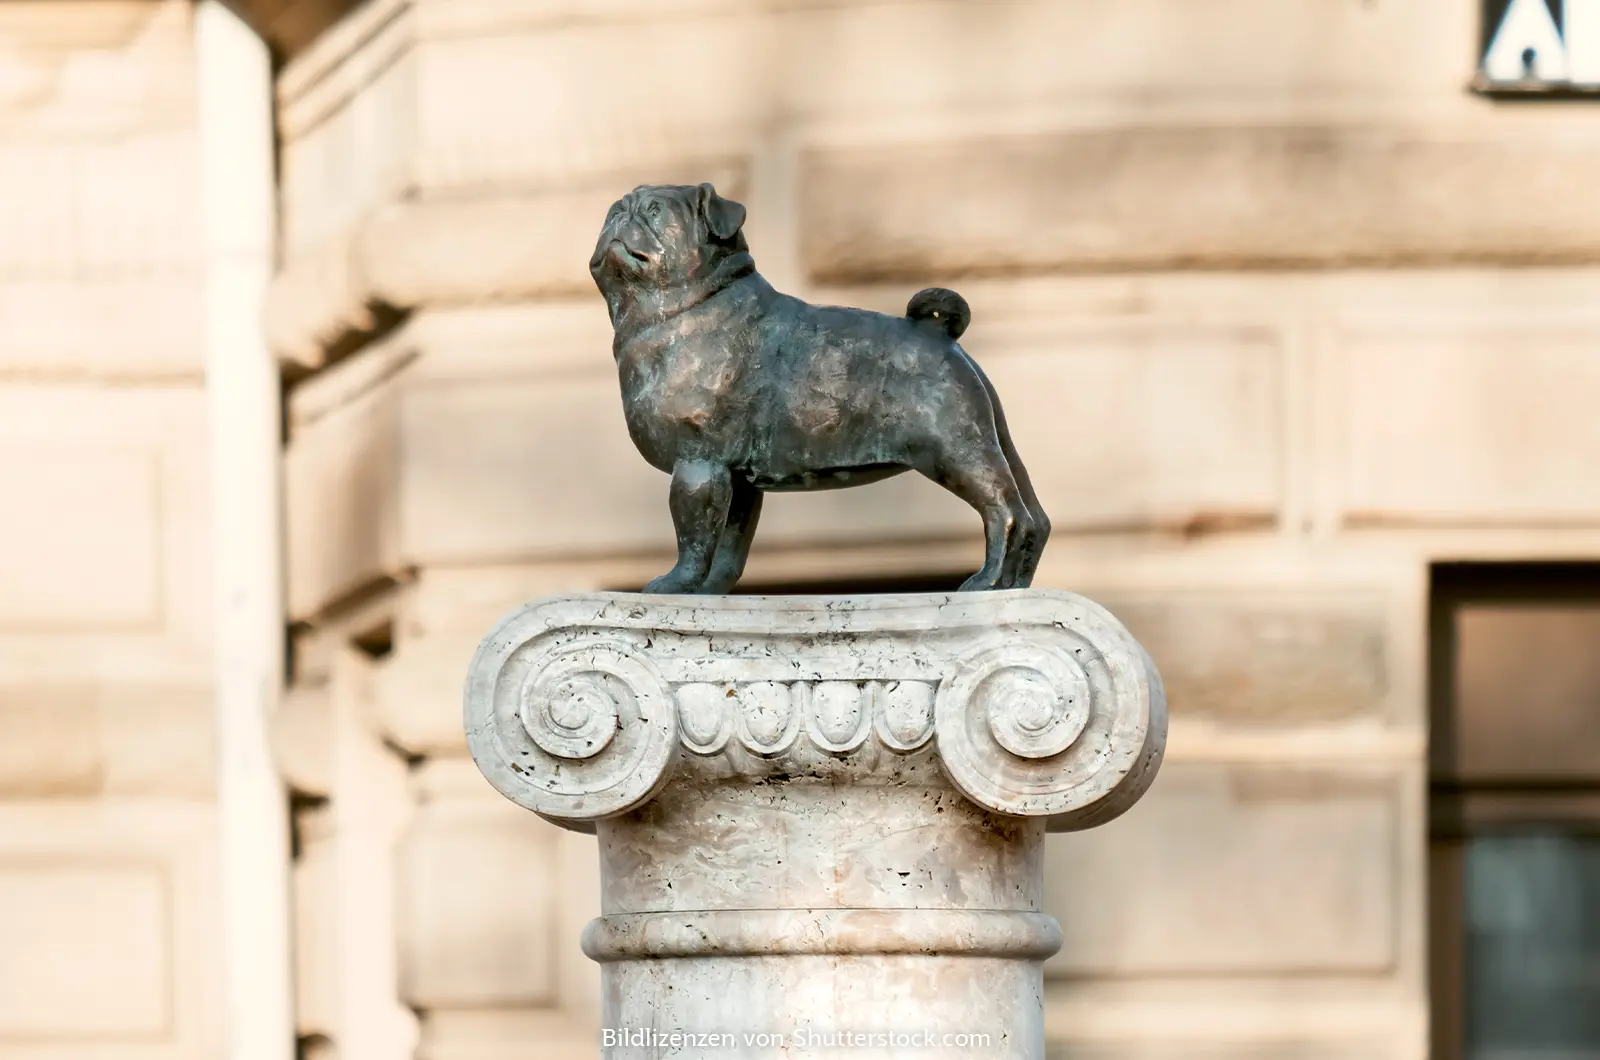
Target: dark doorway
pixel 1514 811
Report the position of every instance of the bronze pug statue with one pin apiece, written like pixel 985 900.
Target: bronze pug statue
pixel 734 389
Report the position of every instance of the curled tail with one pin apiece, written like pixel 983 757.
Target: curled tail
pixel 946 309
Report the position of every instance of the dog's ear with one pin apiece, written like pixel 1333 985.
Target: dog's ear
pixel 724 217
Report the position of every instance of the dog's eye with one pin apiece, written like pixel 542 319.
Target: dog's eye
pixel 653 210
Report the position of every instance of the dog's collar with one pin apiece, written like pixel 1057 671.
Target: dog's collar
pixel 661 305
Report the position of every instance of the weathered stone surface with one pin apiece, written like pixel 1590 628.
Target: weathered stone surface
pixel 302 738
pixel 337 546
pixel 103 542
pixel 316 949
pixel 1285 871
pixel 99 238
pixel 477 898
pixel 444 251
pixel 1252 659
pixel 49 744
pixel 159 742
pixel 1153 198
pixel 109 912
pixel 346 879
pixel 1248 639
pixel 84 978
pixel 1477 421
pixel 482 56
pixel 870 777
pixel 88 740
pixel 416 109
pixel 504 1034
pixel 108 844
pixel 1276 1016
pixel 1186 1048
pixel 417 696
pixel 1154 425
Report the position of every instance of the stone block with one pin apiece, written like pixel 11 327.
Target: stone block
pixel 50 743
pixel 1137 424
pixel 578 985
pixel 1221 1016
pixel 339 502
pixel 85 951
pixel 99 235
pixel 413 171
pixel 103 548
pixel 110 920
pixel 1251 636
pixel 316 936
pixel 450 250
pixel 823 63
pixel 158 742
pixel 477 897
pixel 1233 872
pixel 345 879
pixel 1470 416
pixel 1253 659
pixel 1189 1049
pixel 125 329
pixel 81 537
pixel 1143 453
pixel 83 740
pixel 504 1034
pixel 1230 197
pixel 417 695
pixel 302 738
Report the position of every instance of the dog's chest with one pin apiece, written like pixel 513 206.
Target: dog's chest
pixel 673 394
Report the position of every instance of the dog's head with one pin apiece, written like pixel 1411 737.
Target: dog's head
pixel 661 237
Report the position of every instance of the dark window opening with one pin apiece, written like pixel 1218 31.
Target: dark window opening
pixel 1514 811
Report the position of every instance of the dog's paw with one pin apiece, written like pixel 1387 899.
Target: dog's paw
pixel 982 582
pixel 671 584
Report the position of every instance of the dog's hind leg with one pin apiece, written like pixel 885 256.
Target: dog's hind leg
pixel 980 477
pixel 733 547
pixel 1033 536
pixel 701 495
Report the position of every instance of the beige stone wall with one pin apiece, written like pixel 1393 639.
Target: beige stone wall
pixel 107 834
pixel 1280 314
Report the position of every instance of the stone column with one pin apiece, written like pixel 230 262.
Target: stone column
pixel 819 817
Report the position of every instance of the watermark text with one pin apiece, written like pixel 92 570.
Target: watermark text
pixel 800 1038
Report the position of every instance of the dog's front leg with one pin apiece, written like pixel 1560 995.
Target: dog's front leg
pixel 701 493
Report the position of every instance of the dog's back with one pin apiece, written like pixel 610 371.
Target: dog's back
pixel 857 391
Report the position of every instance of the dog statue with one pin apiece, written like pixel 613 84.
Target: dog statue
pixel 734 389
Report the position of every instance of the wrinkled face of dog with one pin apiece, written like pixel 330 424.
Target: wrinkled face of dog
pixel 664 236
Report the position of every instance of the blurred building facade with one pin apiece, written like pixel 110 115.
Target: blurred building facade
pixel 1284 315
